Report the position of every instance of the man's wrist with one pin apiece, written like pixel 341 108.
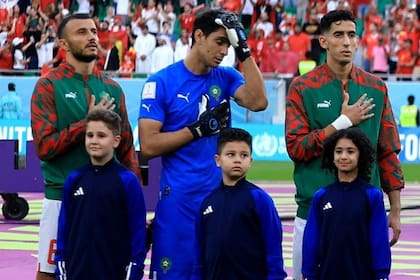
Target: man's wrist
pixel 195 131
pixel 242 55
pixel 342 122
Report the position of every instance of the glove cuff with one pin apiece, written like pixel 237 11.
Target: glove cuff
pixel 242 53
pixel 196 132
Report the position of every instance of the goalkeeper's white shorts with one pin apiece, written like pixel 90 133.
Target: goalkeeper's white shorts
pixel 48 225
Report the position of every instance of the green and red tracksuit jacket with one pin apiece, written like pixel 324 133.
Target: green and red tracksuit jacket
pixel 313 102
pixel 59 106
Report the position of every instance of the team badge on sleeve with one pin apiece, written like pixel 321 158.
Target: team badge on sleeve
pixel 149 91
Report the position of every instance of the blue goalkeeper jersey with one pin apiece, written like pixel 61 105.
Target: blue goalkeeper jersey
pixel 175 97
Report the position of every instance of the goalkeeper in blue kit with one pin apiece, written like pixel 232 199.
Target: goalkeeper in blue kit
pixel 183 108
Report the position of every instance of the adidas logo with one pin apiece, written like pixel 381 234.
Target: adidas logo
pixel 327 206
pixel 79 191
pixel 208 210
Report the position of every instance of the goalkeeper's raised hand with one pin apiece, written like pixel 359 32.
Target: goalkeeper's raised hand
pixel 236 34
pixel 211 121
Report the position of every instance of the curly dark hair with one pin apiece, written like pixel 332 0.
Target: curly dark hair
pixel 367 153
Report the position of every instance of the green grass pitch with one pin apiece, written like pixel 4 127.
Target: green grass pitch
pixel 283 171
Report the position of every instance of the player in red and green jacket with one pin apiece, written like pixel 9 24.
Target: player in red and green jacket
pixel 59 105
pixel 335 96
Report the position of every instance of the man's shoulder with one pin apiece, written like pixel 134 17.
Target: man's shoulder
pixel 168 73
pixel 367 79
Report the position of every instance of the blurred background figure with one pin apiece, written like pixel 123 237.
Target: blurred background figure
pixel 163 54
pixel 11 104
pixel 409 113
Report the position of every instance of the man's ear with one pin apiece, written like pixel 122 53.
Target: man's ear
pixel 63 44
pixel 323 41
pixel 198 34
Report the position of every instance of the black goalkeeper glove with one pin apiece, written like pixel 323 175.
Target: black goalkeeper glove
pixel 236 34
pixel 211 121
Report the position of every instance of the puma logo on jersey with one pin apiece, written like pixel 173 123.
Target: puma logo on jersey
pixel 147 107
pixel 324 104
pixel 180 95
pixel 71 94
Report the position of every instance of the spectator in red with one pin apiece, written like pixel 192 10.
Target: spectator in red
pixel 372 16
pixel 187 18
pixel 48 7
pixel 399 12
pixel 18 20
pixel 288 61
pixel 299 42
pixel 269 56
pixel 256 43
pixel 127 66
pixel 117 25
pixel 369 40
pixel 410 27
pixel 6 57
pixel 406 61
pixel 233 6
pixel 279 40
pixel 4 13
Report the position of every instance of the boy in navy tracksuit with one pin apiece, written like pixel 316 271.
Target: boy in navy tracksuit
pixel 346 236
pixel 238 228
pixel 102 221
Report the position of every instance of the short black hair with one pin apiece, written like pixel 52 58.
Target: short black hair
pixel 111 119
pixel 66 20
pixel 334 16
pixel 11 87
pixel 360 140
pixel 411 99
pixel 233 135
pixel 206 22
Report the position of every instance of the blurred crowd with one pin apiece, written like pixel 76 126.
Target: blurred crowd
pixel 141 37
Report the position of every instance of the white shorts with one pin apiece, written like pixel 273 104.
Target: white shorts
pixel 48 226
pixel 299 228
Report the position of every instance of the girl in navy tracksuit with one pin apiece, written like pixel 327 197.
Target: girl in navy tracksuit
pixel 346 235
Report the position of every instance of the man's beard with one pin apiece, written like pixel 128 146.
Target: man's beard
pixel 84 58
